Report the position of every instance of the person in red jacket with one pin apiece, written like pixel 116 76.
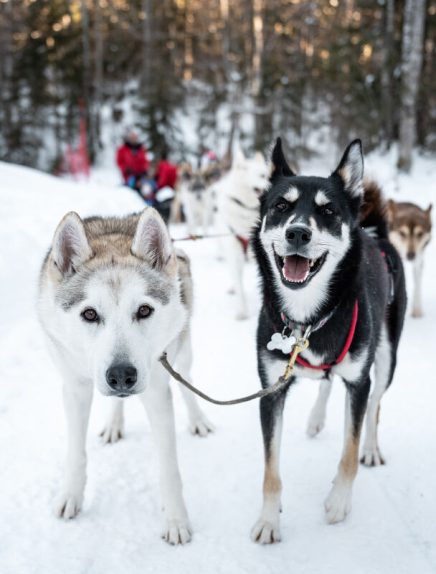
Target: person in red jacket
pixel 132 161
pixel 166 173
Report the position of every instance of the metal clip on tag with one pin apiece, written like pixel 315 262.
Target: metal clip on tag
pixel 300 346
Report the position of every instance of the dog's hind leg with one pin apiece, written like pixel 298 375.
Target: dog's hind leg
pixel 77 402
pixel 338 502
pixel 418 266
pixel 384 363
pixel 158 402
pixel 267 528
pixel 236 258
pixel 114 427
pixel 198 422
pixel 318 413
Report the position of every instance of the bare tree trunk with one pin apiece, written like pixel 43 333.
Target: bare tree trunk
pixel 99 73
pixel 413 38
pixel 387 69
pixel 258 45
pixel 188 56
pixel 6 70
pixel 87 76
pixel 147 6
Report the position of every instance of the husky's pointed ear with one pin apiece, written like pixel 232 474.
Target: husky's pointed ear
pixel 279 164
pixel 152 242
pixel 70 247
pixel 391 210
pixel 428 211
pixel 350 169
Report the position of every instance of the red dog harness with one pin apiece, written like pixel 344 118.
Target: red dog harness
pixel 350 337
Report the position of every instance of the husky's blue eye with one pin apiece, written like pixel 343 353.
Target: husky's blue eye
pixel 144 311
pixel 90 315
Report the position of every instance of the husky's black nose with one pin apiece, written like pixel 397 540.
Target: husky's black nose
pixel 298 235
pixel 121 377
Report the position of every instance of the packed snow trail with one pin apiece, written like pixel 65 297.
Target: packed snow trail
pixel 391 528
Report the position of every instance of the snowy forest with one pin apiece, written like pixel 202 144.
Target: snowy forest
pixel 358 68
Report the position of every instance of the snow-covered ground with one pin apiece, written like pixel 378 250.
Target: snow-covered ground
pixel 392 527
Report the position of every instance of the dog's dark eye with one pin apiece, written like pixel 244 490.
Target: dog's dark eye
pixel 144 311
pixel 403 234
pixel 282 205
pixel 327 210
pixel 419 234
pixel 90 315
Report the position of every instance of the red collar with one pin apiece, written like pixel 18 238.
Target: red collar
pixel 344 351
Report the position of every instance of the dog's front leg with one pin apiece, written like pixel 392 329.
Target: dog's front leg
pixel 267 528
pixel 77 397
pixel 338 502
pixel 157 400
pixel 198 422
pixel 114 427
pixel 236 259
pixel 318 412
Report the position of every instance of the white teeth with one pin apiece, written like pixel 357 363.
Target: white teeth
pixel 311 263
pixel 296 280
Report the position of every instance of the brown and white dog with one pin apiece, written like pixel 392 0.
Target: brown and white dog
pixel 410 232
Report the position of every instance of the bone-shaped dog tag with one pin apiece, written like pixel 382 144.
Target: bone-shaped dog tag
pixel 281 343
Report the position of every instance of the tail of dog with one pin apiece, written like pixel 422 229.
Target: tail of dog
pixel 373 211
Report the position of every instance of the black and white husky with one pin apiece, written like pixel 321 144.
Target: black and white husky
pixel 320 268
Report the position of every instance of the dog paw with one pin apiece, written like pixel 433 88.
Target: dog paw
pixel 372 457
pixel 315 424
pixel 337 504
pixel 113 431
pixel 68 505
pixel 177 532
pixel 266 532
pixel 417 313
pixel 200 425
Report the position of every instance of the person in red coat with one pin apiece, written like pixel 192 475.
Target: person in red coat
pixel 132 161
pixel 166 173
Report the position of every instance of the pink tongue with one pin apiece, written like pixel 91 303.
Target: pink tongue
pixel 296 269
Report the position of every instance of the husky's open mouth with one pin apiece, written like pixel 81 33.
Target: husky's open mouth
pixel 296 271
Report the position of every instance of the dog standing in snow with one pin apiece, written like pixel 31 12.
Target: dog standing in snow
pixel 197 194
pixel 410 232
pixel 321 270
pixel 238 211
pixel 114 294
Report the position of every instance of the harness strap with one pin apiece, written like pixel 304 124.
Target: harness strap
pixel 244 241
pixel 242 204
pixel 349 340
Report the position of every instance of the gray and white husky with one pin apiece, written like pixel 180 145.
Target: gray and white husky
pixel 114 294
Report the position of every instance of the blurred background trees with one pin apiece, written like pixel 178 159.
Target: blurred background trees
pixel 344 68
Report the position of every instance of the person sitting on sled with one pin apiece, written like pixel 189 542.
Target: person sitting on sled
pixel 165 178
pixel 166 173
pixel 133 161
